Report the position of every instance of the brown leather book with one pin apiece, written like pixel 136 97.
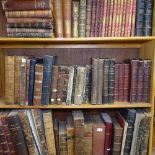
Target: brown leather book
pixel 16 134
pixel 49 132
pixel 58 18
pixel 98 135
pixel 14 5
pixel 66 9
pixel 28 135
pixel 9 80
pixel 4 120
pixel 1 150
pixel 38 84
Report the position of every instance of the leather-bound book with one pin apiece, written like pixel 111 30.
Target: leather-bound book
pixel 16 134
pixel 28 135
pixel 75 18
pixel 105 81
pixel 118 135
pixel 80 85
pixel 58 18
pixel 124 18
pixel 111 81
pixel 49 132
pixel 35 23
pixel 140 17
pixel 78 132
pixel 3 140
pixel 29 14
pixel 126 87
pixel 22 81
pixel 133 19
pixel 98 135
pixel 9 80
pixel 67 16
pixel 100 80
pixel 38 84
pixel 62 138
pixel 129 116
pixel 17 78
pixel 88 138
pixel 148 17
pixel 87 92
pixel 121 82
pixel 54 84
pixel 15 5
pixel 82 18
pixel 94 86
pixel 88 17
pixel 93 18
pixel 70 135
pixel 146 82
pixel 4 121
pixel 56 135
pixel 116 96
pixel 38 119
pixel 108 133
pixel 48 62
pixel 1 150
pixel 70 85
pixel 134 80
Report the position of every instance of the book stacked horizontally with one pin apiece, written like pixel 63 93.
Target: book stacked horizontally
pixel 42 132
pixel 29 18
pixel 39 81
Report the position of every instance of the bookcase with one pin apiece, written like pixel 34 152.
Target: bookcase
pixel 79 51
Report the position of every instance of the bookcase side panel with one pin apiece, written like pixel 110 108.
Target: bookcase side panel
pixel 2 86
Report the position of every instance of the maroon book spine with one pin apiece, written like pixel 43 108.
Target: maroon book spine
pixel 116 96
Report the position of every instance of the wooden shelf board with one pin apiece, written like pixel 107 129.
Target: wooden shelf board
pixel 83 106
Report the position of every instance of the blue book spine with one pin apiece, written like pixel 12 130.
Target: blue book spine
pixel 47 72
pixel 31 81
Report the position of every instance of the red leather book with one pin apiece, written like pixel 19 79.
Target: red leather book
pixel 108 133
pixel 123 18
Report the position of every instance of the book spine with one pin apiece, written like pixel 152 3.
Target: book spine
pixel 146 82
pixel 82 18
pixel 133 18
pixel 17 135
pixel 9 81
pixel 116 96
pixel 111 81
pixel 79 87
pixel 29 14
pixel 105 81
pixel 66 7
pixel 47 71
pixel 54 84
pixel 94 86
pixel 75 18
pixel 124 18
pixel 38 84
pixel 134 80
pixel 93 18
pixel 105 19
pixel 56 135
pixel 100 81
pixel 31 81
pixel 88 17
pixel 58 18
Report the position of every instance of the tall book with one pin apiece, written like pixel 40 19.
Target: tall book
pixel 49 132
pixel 98 135
pixel 58 18
pixel 16 134
pixel 108 133
pixel 38 84
pixel 66 9
pixel 75 18
pixel 48 62
pixel 82 18
pixel 78 131
pixel 116 96
pixel 62 138
pixel 133 19
pixel 70 135
pixel 10 78
pixel 79 86
pixel 56 135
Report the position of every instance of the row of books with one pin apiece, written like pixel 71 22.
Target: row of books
pixel 39 132
pixel 78 18
pixel 37 81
